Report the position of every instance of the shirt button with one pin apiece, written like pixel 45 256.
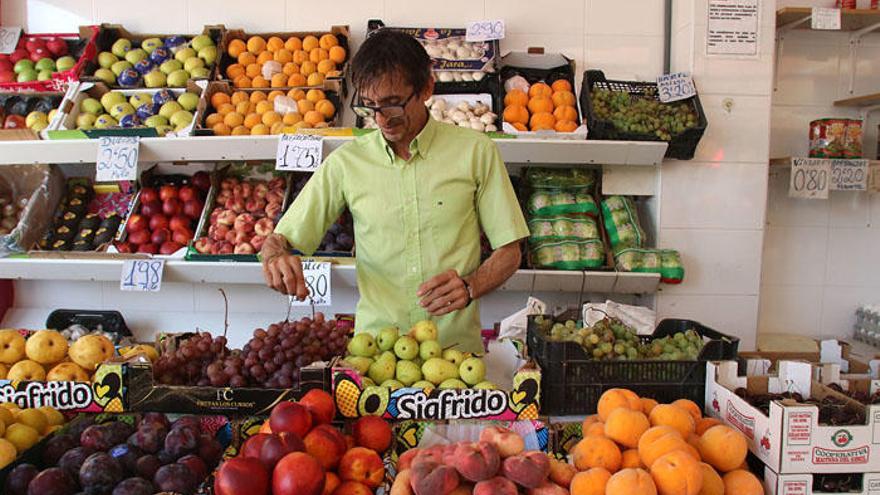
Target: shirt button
pixel 414 269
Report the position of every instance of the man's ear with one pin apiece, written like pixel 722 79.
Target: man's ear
pixel 429 89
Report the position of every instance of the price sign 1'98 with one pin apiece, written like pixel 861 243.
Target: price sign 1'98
pixel 142 275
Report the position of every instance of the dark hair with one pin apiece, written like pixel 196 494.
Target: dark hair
pixel 391 52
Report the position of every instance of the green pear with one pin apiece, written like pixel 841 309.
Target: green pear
pixel 34 117
pixel 155 79
pixel 452 383
pixel 406 348
pixel 382 370
pixel 454 356
pixel 472 370
pixel 91 105
pixel 151 44
pixel 139 99
pixel 208 54
pixel 86 121
pixel 111 98
pixel 119 110
pixel 181 118
pixel 170 66
pixel 424 330
pixel 107 59
pixel 65 63
pixel 156 121
pixel 105 121
pixel 387 356
pixel 168 109
pixel 200 73
pixel 367 382
pixel 387 337
pixel 408 372
pixel 121 47
pixel 189 101
pixel 360 363
pixel 430 349
pixel 392 384
pixel 486 386
pixel 177 79
pixel 120 66
pixel 423 384
pixel 361 344
pixel 185 54
pixel 162 130
pixel 105 75
pixel 436 370
pixel 135 56
pixel 201 41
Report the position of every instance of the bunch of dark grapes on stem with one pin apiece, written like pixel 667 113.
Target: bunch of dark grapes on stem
pixel 190 362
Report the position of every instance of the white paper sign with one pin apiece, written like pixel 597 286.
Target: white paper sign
pixel 142 275
pixel 676 86
pixel 810 178
pixel 299 152
pixel 825 18
pixel 874 177
pixel 485 30
pixel 732 27
pixel 9 38
pixel 849 175
pixel 318 282
pixel 117 158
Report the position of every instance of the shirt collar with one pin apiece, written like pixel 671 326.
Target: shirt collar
pixel 419 145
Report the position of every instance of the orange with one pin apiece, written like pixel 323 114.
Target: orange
pixel 313 117
pixel 225 108
pixel 318 54
pixel 264 57
pixel 669 415
pixel 337 54
pixel 235 48
pixel 315 79
pixel 260 82
pixel 283 56
pixel 315 95
pixel 326 66
pixel 290 68
pixel 260 130
pixel 221 129
pixel 568 112
pixel 291 118
pixel 233 119
pixel 327 41
pixel 563 98
pixel 540 89
pixel 234 71
pixel 297 94
pixel 304 106
pixel 256 44
pixel 590 482
pixel 308 67
pixel 704 424
pixel 293 44
pixel 677 473
pixel 264 106
pixel 540 104
pixel 625 426
pixel 542 121
pixel 631 482
pixel 516 113
pixel 630 459
pixel 660 440
pixel 300 56
pixel 742 482
pixel 723 448
pixel 252 70
pixel 213 119
pixel 246 58
pixel 296 80
pixel 712 482
pixel 647 404
pixel 520 126
pixel 251 120
pixel 279 80
pixel 274 43
pixel 596 429
pixel 238 97
pixel 271 117
pixel 593 452
pixel 326 108
pixel 516 97
pixel 561 85
pixel 241 131
pixel 274 94
pixel 593 418
pixel 243 82
pixel 613 398
pixel 257 96
pixel 689 406
pixel 243 107
pixel 310 43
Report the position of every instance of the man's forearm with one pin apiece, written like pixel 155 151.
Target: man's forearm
pixel 274 245
pixel 503 263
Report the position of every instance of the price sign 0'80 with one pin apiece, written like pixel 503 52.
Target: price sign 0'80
pixel 299 152
pixel 809 178
pixel 117 159
pixel 317 277
pixel 142 275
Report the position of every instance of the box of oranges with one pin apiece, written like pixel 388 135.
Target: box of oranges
pixel 227 110
pixel 539 98
pixel 284 60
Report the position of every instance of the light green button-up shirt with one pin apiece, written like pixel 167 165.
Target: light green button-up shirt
pixel 412 220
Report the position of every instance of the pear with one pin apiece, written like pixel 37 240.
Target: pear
pixel 406 348
pixel 472 370
pixel 360 363
pixel 423 384
pixel 436 370
pixel 382 370
pixel 387 337
pixel 362 344
pixel 487 385
pixel 430 349
pixel 392 384
pixel 424 330
pixel 454 356
pixel 408 372
pixel 387 356
pixel 452 383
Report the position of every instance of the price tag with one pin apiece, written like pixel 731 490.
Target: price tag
pixel 849 175
pixel 674 87
pixel 874 177
pixel 142 275
pixel 9 38
pixel 117 158
pixel 317 277
pixel 485 30
pixel 810 178
pixel 825 18
pixel 299 152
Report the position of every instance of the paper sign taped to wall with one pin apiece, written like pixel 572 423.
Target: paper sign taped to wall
pixel 732 27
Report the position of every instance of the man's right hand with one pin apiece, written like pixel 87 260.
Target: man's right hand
pixel 282 270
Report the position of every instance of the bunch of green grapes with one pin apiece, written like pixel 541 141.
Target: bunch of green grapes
pixel 681 346
pixel 610 339
pixel 643 115
pixel 565 332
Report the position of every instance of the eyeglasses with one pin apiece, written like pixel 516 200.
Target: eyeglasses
pixel 387 111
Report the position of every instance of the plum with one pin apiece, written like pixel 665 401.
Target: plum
pixel 56 447
pixel 146 466
pixel 97 438
pixel 100 472
pixel 126 455
pixel 192 421
pixel 157 419
pixel 77 427
pixel 52 481
pixel 210 449
pixel 119 431
pixel 182 440
pixel 148 438
pixel 134 486
pixel 196 465
pixel 19 478
pixel 72 461
pixel 175 478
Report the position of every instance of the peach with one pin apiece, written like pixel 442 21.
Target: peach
pixel 326 444
pixel 528 469
pixel 352 488
pixel 548 488
pixel 506 441
pixel 298 473
pixel 561 473
pixel 476 461
pixel 495 486
pixel 318 402
pixel 590 482
pixel 372 432
pixel 431 478
pixel 401 485
pixel 362 465
pixel 406 459
pixel 430 454
pixel 463 489
pixel 331 481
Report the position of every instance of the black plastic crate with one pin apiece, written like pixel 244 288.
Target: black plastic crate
pixel 572 382
pixel 109 321
pixel 682 146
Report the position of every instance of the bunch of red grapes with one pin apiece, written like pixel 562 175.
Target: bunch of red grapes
pixel 188 363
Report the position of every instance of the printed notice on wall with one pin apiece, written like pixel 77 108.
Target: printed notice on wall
pixel 732 27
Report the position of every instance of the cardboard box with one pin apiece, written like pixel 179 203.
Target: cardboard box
pixel 82 46
pixel 804 484
pixel 517 400
pixel 790 439
pixel 22 104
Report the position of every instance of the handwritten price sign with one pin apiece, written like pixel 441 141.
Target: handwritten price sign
pixel 9 38
pixel 674 87
pixel 810 178
pixel 299 153
pixel 317 277
pixel 849 175
pixel 485 31
pixel 117 158
pixel 142 275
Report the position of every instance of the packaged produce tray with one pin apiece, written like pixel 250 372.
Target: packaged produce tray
pixel 572 383
pixel 81 46
pixel 108 321
pixel 682 146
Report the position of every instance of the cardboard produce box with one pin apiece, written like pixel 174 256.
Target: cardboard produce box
pixel 15 107
pixel 790 439
pixel 806 484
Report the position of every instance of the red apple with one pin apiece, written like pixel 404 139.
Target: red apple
pixel 149 195
pixel 147 248
pixel 137 222
pixel 139 237
pixel 39 53
pixel 160 236
pixel 7 76
pixel 179 222
pixel 171 206
pixel 57 46
pixel 123 247
pixel 202 181
pixel 204 245
pixel 182 236
pixel 18 54
pixel 186 193
pixel 151 209
pixel 169 247
pixel 298 473
pixel 292 417
pixel 241 476
pixel 158 221
pixel 253 445
pixel 167 192
pixel 264 227
pixel 32 44
pixel 193 208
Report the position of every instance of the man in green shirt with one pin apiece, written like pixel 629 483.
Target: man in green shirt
pixel 419 191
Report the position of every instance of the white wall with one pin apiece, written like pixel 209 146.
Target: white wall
pixel 711 208
pixel 819 255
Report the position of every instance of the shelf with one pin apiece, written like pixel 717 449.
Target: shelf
pixel 216 148
pixel 109 270
pixel 859 101
pixel 850 19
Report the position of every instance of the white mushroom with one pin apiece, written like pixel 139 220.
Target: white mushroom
pixel 439 104
pixel 487 118
pixel 463 106
pixel 429 101
pixel 464 123
pixel 437 115
pixel 445 76
pixel 433 51
pixel 467 76
pixel 447 120
pixel 491 128
pixel 477 126
pixel 453 44
pixel 463 53
pixel 478 75
pixel 458 116
pixel 480 109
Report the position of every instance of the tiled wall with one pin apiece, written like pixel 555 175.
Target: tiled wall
pixel 819 256
pixel 711 208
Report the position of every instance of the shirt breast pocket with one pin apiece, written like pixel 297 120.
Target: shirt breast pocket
pixel 452 208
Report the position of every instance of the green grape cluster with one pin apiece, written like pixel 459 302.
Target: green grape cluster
pixel 643 115
pixel 681 346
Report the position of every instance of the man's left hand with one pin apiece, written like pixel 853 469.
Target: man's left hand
pixel 443 294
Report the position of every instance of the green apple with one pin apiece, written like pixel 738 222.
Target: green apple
pixel 64 63
pixel 362 344
pixel 178 78
pixel 27 75
pixel 406 348
pixel 430 349
pixel 34 117
pixel 193 63
pixel 424 330
pixel 452 383
pixel 408 372
pixel 472 370
pixel 200 73
pixel 423 384
pixel 119 110
pixel 382 370
pixel 185 54
pixel 105 121
pixel 92 106
pixel 387 337
pixel 454 356
pixel 120 66
pixel 135 56
pixel 169 109
pixel 436 370
pixel 154 79
pixel 121 47
pixel 181 118
pixel 208 54
pixel 44 75
pixel 23 65
pixel 86 120
pixel 111 98
pixel 392 384
pixel 486 386
pixel 151 44
pixel 107 59
pixel 170 66
pixel 139 99
pixel 201 41
pixel 189 101
pixel 44 64
pixel 155 121
pixel 360 363
pixel 105 75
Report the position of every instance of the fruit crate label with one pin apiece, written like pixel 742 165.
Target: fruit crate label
pixel 318 282
pixel 810 178
pixel 849 175
pixel 117 158
pixel 485 30
pixel 299 153
pixel 825 19
pixel 142 275
pixel 675 87
pixel 9 38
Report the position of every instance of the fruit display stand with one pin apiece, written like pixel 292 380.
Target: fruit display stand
pixel 82 46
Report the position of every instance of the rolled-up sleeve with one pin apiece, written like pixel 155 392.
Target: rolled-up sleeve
pixel 500 215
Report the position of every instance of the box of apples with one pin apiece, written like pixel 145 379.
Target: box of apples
pixel 47 62
pixel 165 213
